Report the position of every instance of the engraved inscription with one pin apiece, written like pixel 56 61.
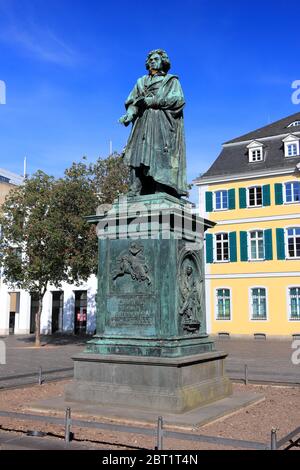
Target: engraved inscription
pixel 131 312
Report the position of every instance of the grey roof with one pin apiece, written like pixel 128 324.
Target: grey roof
pixel 276 128
pixel 12 177
pixel 233 159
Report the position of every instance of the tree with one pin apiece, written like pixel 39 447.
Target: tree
pixel 111 177
pixel 45 237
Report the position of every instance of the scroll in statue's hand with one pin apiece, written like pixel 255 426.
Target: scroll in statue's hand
pixel 126 119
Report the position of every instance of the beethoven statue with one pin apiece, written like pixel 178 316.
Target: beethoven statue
pixel 155 151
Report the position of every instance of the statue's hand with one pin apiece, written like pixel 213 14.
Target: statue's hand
pixel 126 119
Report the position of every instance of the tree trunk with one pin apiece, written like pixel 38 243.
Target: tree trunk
pixel 38 321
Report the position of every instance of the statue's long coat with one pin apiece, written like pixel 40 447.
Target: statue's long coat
pixel 156 142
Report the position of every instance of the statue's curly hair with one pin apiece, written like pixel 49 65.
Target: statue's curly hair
pixel 166 64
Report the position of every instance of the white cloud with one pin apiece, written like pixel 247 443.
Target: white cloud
pixel 34 40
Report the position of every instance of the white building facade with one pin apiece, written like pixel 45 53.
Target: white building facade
pixel 70 309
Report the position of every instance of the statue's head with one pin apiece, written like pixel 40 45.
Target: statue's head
pixel 189 270
pixel 158 60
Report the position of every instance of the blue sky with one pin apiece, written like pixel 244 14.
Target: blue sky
pixel 69 66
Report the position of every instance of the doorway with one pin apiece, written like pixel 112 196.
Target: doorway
pixel 12 317
pixel 13 309
pixel 57 311
pixel 80 311
pixel 34 307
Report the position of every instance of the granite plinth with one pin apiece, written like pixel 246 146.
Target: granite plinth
pixel 162 384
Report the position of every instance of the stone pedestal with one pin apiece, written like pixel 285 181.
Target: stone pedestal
pixel 173 385
pixel 151 349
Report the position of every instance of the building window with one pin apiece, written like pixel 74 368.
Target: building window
pixel 293 242
pixel 291 145
pixel 258 304
pixel 223 304
pixel 292 150
pixel 292 192
pixel 221 200
pixel 256 155
pixel 255 196
pixel 256 244
pixel 222 246
pixel 294 299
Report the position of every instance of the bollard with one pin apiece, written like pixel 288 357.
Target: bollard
pixel 246 374
pixel 68 426
pixel 273 439
pixel 40 379
pixel 160 433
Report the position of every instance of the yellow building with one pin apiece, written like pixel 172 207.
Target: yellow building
pixel 252 192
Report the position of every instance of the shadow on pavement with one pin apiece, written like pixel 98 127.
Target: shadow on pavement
pixel 53 340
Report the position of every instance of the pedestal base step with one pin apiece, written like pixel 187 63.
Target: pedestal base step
pixel 120 415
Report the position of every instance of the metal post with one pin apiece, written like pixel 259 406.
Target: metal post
pixel 246 374
pixel 40 376
pixel 160 433
pixel 68 426
pixel 273 439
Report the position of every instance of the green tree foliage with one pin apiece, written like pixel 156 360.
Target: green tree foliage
pixel 111 178
pixel 45 237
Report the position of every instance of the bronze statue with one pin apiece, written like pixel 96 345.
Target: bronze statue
pixel 155 151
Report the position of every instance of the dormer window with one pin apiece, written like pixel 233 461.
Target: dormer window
pixel 291 146
pixel 255 149
pixel 294 124
pixel 256 155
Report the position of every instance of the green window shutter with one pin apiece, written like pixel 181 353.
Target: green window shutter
pixel 243 246
pixel 242 196
pixel 232 247
pixel 280 243
pixel 268 244
pixel 278 194
pixel 266 195
pixel 231 199
pixel 209 248
pixel 209 201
